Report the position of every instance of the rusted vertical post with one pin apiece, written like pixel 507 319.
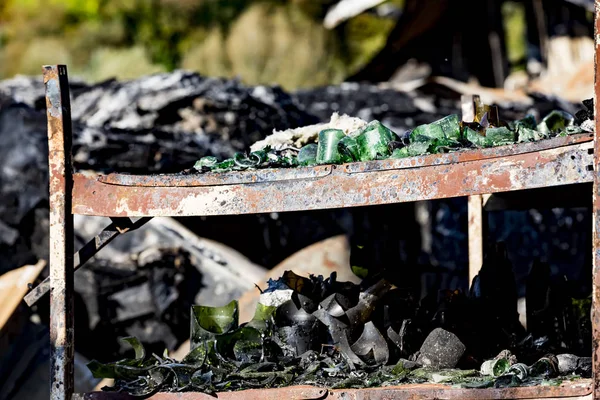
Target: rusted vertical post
pixel 58 111
pixel 475 230
pixel 475 202
pixel 596 216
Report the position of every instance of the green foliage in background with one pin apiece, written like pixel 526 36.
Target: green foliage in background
pixel 515 24
pixel 260 41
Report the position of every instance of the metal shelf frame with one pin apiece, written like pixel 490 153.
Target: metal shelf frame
pixel 552 162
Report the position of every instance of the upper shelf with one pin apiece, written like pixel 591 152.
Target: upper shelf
pixel 552 162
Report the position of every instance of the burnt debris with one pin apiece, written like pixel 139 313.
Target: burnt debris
pixel 327 333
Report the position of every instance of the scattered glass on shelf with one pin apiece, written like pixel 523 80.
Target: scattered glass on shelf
pixel 375 141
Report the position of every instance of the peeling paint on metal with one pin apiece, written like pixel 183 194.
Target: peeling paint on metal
pixel 338 188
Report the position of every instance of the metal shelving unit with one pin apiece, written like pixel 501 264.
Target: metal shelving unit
pixel 552 162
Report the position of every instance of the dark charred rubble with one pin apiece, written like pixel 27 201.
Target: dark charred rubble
pixel 164 123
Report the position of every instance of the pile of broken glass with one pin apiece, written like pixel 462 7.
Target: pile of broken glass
pixel 322 332
pixel 345 139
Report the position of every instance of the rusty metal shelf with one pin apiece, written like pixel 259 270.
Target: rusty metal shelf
pixel 553 162
pixel 578 389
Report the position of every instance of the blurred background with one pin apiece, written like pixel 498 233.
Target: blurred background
pixel 300 43
pixel 157 84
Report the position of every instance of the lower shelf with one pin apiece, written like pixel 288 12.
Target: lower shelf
pixel 576 389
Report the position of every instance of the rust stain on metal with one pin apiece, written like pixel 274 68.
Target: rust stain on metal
pixel 576 390
pixel 436 391
pixel 61 232
pixel 213 179
pixel 287 393
pixel 273 175
pixel 596 215
pixel 561 165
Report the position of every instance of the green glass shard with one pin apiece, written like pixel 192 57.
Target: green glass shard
pixel 495 367
pixel 371 346
pixel 529 135
pixel 286 160
pixel 127 368
pixel 400 153
pixel 478 383
pixel 196 356
pixel 400 369
pixel 308 154
pixel 555 122
pixel 101 371
pixel 425 133
pixel 140 352
pixel 520 370
pixel 260 156
pixel 206 162
pixel 327 151
pixel 445 128
pixel 361 272
pixel 451 126
pixel 545 367
pixel 377 126
pixel 418 149
pixel 210 321
pixel 423 373
pixel 373 144
pixel 262 317
pixel 349 149
pixel 244 162
pixel 573 129
pixel 441 145
pixel 528 122
pixel 243 344
pixel 412 150
pixel 224 165
pixel 499 136
pixel 452 375
pixel 476 138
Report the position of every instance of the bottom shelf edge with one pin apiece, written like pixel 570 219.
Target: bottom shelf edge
pixel 575 389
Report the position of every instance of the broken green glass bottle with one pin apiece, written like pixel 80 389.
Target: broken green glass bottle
pixel 529 135
pixel 224 165
pixel 445 128
pixel 373 141
pixel 475 137
pixel 205 162
pixel 412 150
pixel 252 160
pixel 327 151
pixel 556 122
pixel 348 148
pixel 526 130
pixel 528 122
pixel 499 136
pixel 496 367
pixel 308 155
